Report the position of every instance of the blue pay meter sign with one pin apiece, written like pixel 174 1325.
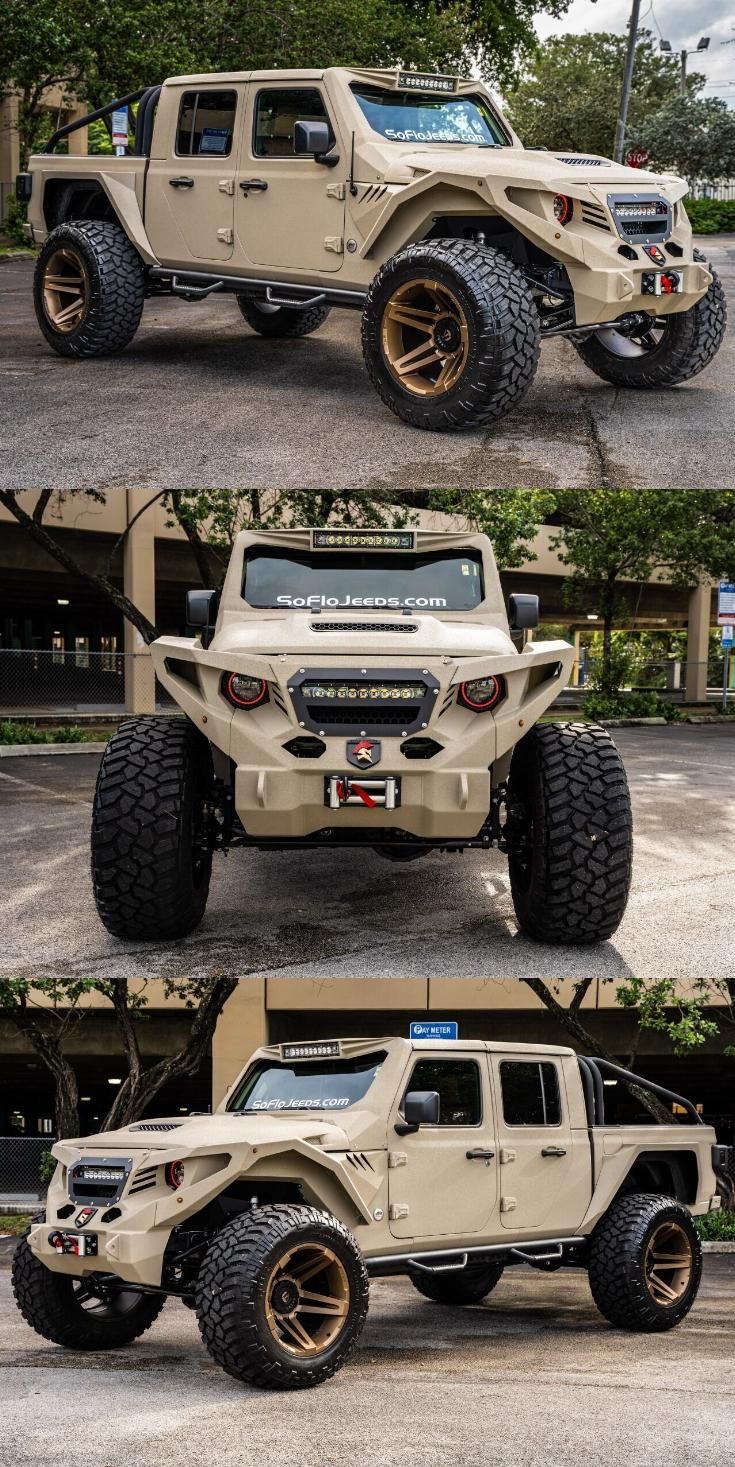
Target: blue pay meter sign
pixel 449 1029
pixel 726 636
pixel 726 603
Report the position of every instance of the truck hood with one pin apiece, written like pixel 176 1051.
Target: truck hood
pixel 190 1134
pixel 558 171
pixel 356 635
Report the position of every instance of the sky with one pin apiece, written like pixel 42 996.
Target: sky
pixel 672 19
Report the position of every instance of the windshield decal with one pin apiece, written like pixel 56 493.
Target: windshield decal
pixel 335 1102
pixel 334 603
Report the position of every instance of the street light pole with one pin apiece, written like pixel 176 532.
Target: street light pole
pixel 627 82
pixel 683 74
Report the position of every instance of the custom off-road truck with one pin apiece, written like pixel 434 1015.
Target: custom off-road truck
pixel 327 1162
pixel 404 195
pixel 361 688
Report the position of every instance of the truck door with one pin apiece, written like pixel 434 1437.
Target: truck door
pixel 544 1163
pixel 190 193
pixel 289 212
pixel 443 1178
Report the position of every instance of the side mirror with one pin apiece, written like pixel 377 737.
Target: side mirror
pixel 314 138
pixel 522 611
pixel 201 611
pixel 420 1108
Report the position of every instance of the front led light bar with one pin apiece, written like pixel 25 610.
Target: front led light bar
pixel 363 540
pixel 343 692
pixel 327 1049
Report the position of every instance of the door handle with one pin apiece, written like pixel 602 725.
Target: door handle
pixel 477 1154
pixel 181 182
pixel 258 185
pixel 553 1151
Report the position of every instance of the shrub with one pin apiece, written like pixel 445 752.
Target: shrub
pixel 630 705
pixel 711 216
pixel 717 1227
pixel 12 225
pixel 46 1167
pixel 29 733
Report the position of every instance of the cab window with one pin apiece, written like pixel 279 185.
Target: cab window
pixel 276 113
pixel 530 1091
pixel 206 124
pixel 458 1085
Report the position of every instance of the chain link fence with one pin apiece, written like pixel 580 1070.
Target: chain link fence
pixel 20 1162
pixel 60 681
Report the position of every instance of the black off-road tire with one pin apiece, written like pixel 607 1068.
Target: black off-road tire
pixel 151 856
pixel 466 1286
pixel 617 1263
pixel 689 342
pixel 115 287
pixel 231 1296
pixel 50 1304
pixel 570 834
pixel 503 334
pixel 290 321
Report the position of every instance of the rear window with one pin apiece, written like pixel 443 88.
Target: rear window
pixel 442 581
pixel 530 1093
pixel 334 1085
pixel 206 124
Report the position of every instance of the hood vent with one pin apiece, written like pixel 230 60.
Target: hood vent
pixel 363 626
pixel 577 162
pixel 156 1126
pixel 359 1161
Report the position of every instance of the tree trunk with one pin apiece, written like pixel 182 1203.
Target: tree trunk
pixel 48 1048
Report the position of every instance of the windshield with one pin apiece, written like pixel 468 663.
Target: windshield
pixel 445 581
pixel 319 1085
pixel 403 117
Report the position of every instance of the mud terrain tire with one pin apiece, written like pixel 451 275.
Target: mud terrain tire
pixel 687 345
pixel 486 298
pixel 292 321
pixel 569 833
pixel 151 857
pixel 237 1295
pixel 466 1286
pixel 53 1305
pixel 111 289
pixel 624 1277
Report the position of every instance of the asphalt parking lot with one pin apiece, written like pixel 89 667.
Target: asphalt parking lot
pixel 352 914
pixel 198 398
pixel 533 1376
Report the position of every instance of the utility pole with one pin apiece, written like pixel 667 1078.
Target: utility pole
pixel 683 74
pixel 627 81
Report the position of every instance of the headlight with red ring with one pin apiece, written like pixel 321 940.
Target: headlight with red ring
pixel 482 693
pixel 563 208
pixel 243 691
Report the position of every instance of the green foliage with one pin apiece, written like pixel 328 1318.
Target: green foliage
pixel 46 1167
pixel 662 1006
pixel 29 733
pixel 711 216
pixel 510 517
pixel 691 135
pixel 568 95
pixel 716 1227
pixel 644 704
pixel 14 1224
pixel 14 220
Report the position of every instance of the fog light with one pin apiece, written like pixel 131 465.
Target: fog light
pixel 175 1174
pixel 244 692
pixel 482 693
pixel 563 208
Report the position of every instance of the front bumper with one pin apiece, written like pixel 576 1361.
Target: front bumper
pixel 281 795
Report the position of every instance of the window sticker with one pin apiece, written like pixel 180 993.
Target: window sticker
pixel 214 140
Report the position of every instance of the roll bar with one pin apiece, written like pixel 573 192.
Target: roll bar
pixel 592 1069
pixel 146 96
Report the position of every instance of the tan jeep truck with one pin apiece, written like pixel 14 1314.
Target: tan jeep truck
pixel 362 689
pixel 406 196
pixel 445 1161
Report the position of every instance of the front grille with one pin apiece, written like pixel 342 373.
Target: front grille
pixel 96 1179
pixel 363 626
pixel 367 700
pixel 641 218
pixel 363 715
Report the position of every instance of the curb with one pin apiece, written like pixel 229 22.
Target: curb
pixel 719 1247
pixel 9 751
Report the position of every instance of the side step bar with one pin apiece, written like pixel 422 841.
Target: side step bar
pixel 443 1260
pixel 194 284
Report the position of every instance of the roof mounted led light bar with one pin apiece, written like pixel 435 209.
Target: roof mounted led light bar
pixel 363 540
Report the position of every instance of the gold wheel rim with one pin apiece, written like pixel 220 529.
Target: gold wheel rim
pixel 425 337
pixel 307 1300
pixel 668 1264
pixel 65 290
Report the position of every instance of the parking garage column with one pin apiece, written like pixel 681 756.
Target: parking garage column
pixel 241 1028
pixel 139 584
pixel 698 622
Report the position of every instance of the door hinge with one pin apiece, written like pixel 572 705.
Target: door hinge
pixel 335 243
pixel 507 1204
pixel 225 235
pixel 397 1158
pixel 226 186
pixel 335 190
pixel 397 1209
pixel 507 1155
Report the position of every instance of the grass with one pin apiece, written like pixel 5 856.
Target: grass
pixel 716 1227
pixel 29 733
pixel 15 1225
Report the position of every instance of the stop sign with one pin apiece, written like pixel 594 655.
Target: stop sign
pixel 637 157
